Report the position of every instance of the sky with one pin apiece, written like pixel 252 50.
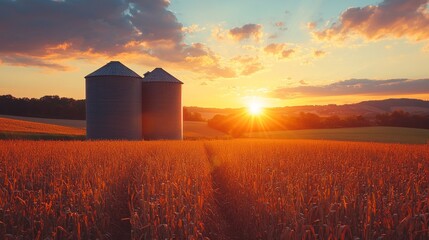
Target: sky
pixel 227 52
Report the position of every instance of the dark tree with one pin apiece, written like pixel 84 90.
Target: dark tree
pixel 45 107
pixel 402 119
pixel 58 107
pixel 192 116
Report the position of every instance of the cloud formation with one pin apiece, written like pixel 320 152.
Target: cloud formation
pixel 41 32
pixel 319 53
pixel 303 82
pixel 355 87
pixel 19 60
pixel 194 28
pixel 311 25
pixel 249 65
pixel 279 49
pixel 31 27
pixel 391 18
pixel 203 60
pixel 247 31
pixel 280 25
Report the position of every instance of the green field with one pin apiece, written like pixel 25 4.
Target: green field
pixel 363 134
pixel 24 128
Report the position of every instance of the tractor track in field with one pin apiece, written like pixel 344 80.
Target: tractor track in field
pixel 224 207
pixel 119 225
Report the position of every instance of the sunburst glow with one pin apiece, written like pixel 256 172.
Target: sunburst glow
pixel 255 108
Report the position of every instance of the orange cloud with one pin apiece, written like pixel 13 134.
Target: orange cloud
pixel 391 18
pixel 287 53
pixel 247 31
pixel 311 25
pixel 209 66
pixel 82 29
pixel 249 65
pixel 201 59
pixel 274 48
pixel 22 60
pixel 354 87
pixel 279 50
pixel 319 53
pixel 194 28
pixel 141 31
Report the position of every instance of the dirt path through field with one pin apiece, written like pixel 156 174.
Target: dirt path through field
pixel 224 207
pixel 120 225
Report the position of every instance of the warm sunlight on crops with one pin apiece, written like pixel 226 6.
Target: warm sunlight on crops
pixel 324 190
pixel 239 189
pixel 12 125
pixel 101 190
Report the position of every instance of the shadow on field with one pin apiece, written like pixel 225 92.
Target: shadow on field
pixel 234 207
pixel 119 225
pixel 225 208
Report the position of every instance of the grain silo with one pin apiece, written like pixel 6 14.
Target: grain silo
pixel 113 103
pixel 161 106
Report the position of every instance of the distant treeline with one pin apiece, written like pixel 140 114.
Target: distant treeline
pixel 57 107
pixel 44 107
pixel 238 124
pixel 402 119
pixel 192 116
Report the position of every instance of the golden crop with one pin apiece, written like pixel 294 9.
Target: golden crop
pixel 240 189
pixel 324 190
pixel 13 125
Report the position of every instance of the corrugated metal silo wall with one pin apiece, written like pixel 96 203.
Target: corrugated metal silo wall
pixel 162 115
pixel 113 108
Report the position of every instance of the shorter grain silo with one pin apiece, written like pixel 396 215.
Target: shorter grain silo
pixel 113 103
pixel 162 114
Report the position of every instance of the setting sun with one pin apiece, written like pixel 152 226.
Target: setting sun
pixel 255 108
pixel 162 119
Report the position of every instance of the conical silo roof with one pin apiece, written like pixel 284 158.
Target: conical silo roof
pixel 114 68
pixel 160 75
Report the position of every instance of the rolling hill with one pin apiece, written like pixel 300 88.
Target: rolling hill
pixel 17 127
pixel 360 134
pixel 57 129
pixel 366 108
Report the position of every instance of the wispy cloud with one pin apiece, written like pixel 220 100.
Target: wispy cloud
pixel 249 65
pixel 355 87
pixel 20 60
pixel 280 26
pixel 319 53
pixel 194 28
pixel 205 61
pixel 246 31
pixel 279 49
pixel 249 31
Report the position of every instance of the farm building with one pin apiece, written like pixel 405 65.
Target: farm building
pixel 120 104
pixel 161 106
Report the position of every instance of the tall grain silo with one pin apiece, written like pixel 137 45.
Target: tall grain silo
pixel 162 114
pixel 113 103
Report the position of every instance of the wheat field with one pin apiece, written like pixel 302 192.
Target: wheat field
pixel 225 189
